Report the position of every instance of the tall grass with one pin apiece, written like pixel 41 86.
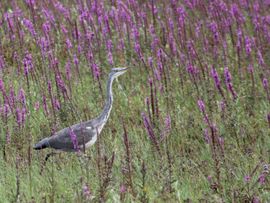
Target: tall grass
pixel 190 119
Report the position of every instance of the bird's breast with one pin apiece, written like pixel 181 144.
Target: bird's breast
pixel 91 142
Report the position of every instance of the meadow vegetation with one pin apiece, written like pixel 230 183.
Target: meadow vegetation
pixel 191 117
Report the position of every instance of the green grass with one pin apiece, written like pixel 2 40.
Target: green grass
pixel 185 168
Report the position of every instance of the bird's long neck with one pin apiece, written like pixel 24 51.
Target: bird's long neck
pixel 109 100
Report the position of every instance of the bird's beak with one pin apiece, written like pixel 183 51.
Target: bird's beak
pixel 124 70
pixel 120 70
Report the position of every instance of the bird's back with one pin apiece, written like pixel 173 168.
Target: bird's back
pixel 63 140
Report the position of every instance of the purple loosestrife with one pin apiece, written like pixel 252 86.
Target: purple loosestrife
pixel 21 96
pixel 86 192
pixel 56 104
pixel 167 127
pixel 265 84
pixel 61 84
pixel 261 179
pixel 147 102
pixel 64 29
pixel 228 81
pixel 44 104
pixel 255 199
pixel 109 47
pixel 46 27
pixel 202 109
pixel 49 84
pixel 150 62
pixel 29 25
pixel 96 71
pixel 63 10
pixel 37 106
pixel 44 45
pixel 172 44
pixel 150 131
pixel 11 97
pixel 236 13
pixel 68 44
pixel 214 29
pixel 110 58
pixel 19 117
pixel 68 70
pixel 138 50
pixel 239 38
pixel 247 179
pixel 27 63
pixel 8 138
pixel 48 14
pixel 23 115
pixel 260 58
pixel 74 140
pixel 76 63
pixel 6 110
pixel 123 188
pixel 266 87
pixel 248 45
pixel 2 88
pixel 206 136
pixel 168 123
pixel 2 62
pixel 181 16
pixel 217 81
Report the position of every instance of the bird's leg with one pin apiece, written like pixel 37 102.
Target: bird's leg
pixel 49 155
pixel 45 160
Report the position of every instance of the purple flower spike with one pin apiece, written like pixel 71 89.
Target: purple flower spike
pixel 247 178
pixel 8 137
pixel 256 200
pixel 96 71
pixel 19 117
pixel 206 136
pixel 74 140
pixel 2 62
pixel 37 105
pixel 168 123
pixel 68 44
pixel 150 62
pixel 216 78
pixel 227 74
pixel 262 179
pixel 27 62
pixel 68 70
pixel 123 188
pixel 248 44
pixel 201 105
pixel 29 25
pixel 2 89
pixel 86 192
pixel 265 83
pixel 260 58
pixel 22 96
pixel 150 131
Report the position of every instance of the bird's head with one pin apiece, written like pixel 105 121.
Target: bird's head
pixel 115 72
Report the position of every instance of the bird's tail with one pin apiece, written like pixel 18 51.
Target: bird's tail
pixel 42 144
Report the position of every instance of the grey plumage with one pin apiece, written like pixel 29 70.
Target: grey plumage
pixel 86 132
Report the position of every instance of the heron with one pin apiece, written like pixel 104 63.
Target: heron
pixel 84 134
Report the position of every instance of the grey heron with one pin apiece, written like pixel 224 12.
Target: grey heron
pixel 85 132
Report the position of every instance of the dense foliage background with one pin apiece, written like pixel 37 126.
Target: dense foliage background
pixel 190 119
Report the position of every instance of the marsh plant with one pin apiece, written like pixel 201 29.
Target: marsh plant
pixel 190 121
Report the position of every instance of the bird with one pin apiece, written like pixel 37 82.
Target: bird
pixel 84 134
